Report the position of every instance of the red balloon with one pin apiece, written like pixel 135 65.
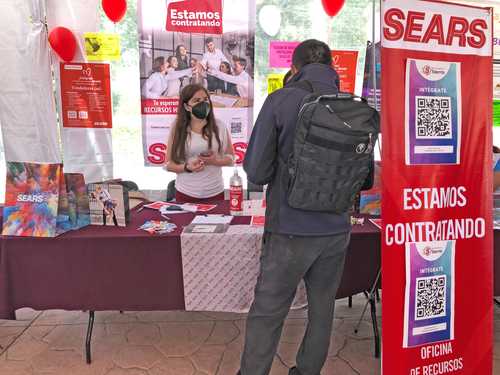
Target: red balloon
pixel 114 9
pixel 332 7
pixel 63 42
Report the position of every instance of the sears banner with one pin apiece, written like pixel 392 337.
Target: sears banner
pixel 437 215
pixel 207 42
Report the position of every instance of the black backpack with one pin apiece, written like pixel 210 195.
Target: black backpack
pixel 332 151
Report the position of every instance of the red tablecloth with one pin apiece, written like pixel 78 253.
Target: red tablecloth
pixel 110 268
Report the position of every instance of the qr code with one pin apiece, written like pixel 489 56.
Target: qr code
pixel 236 127
pixel 433 117
pixel 84 115
pixel 72 115
pixel 430 297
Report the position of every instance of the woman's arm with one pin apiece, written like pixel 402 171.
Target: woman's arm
pixel 224 160
pixel 148 91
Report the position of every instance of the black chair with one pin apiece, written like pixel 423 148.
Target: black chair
pixel 171 191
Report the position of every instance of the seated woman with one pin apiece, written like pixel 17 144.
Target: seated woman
pixel 197 149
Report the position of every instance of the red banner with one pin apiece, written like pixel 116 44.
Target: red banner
pixel 195 16
pixel 159 106
pixel 437 206
pixel 345 63
pixel 86 95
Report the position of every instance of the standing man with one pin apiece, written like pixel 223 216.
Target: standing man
pixel 211 60
pixel 242 80
pixel 297 244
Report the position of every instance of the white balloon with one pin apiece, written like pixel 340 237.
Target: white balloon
pixel 270 19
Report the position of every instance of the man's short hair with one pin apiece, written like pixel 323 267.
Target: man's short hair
pixel 311 51
pixel 209 40
pixel 241 60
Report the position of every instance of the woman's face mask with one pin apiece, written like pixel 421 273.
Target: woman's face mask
pixel 201 110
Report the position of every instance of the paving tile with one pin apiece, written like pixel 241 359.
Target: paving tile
pixel 57 361
pixel 338 367
pixel 230 363
pixel 298 313
pixel 143 334
pixel 57 317
pixel 208 358
pixel 39 332
pixel 173 366
pixel 8 335
pixel 365 330
pixel 171 316
pixel 135 356
pixel 223 333
pixel 72 337
pixel 278 368
pixel 359 354
pixel 98 366
pixel 25 348
pixel 121 371
pixel 183 339
pixel 15 367
pixel 224 315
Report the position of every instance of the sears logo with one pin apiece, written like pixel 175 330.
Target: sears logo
pixel 31 198
pixel 195 16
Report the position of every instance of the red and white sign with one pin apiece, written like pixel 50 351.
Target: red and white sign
pixel 159 106
pixel 345 63
pixel 195 16
pixel 86 95
pixel 437 320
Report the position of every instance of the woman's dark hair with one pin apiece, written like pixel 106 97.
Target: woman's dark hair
pixel 178 52
pixel 178 153
pixel 228 66
pixel 158 63
pixel 311 51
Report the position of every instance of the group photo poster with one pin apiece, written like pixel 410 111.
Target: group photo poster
pixel 437 242
pixel 205 42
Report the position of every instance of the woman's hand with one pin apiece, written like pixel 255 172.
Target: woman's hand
pixel 196 165
pixel 209 158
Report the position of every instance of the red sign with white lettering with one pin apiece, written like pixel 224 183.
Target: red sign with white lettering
pixel 437 226
pixel 86 95
pixel 195 16
pixel 345 63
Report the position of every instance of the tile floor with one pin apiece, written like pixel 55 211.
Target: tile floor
pixel 174 343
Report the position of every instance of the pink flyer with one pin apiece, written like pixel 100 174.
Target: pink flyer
pixel 280 54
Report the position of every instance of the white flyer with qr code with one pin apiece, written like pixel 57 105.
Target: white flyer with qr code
pixel 429 293
pixel 433 112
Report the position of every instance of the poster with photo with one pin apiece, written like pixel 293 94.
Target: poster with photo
pixel 107 204
pixel 205 42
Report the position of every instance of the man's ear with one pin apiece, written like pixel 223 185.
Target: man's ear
pixel 294 69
